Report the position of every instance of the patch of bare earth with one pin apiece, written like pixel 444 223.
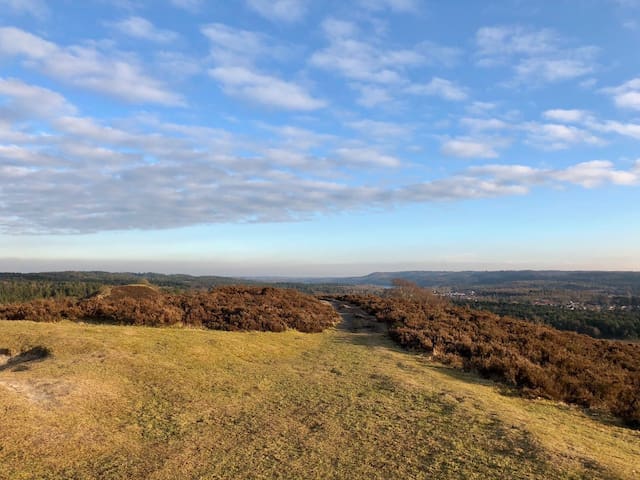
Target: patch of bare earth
pixel 42 392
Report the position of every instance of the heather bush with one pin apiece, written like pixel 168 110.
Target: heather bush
pixel 536 359
pixel 223 308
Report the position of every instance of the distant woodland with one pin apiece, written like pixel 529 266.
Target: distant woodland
pixel 22 287
pixel 603 323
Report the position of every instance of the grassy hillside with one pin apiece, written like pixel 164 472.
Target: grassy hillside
pixel 116 402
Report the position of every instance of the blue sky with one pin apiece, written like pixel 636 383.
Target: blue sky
pixel 299 137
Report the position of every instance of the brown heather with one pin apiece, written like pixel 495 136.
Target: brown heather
pixel 538 360
pixel 223 308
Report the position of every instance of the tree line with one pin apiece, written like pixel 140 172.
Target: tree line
pixel 612 324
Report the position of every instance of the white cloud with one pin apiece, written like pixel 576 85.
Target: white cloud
pixel 536 56
pixel 484 124
pixel 24 101
pixel 367 157
pixel 14 41
pixel 37 8
pixel 264 89
pixel 359 60
pixel 371 95
pixel 567 116
pixel 586 174
pixel 497 44
pixel 299 138
pixel 522 174
pixel 440 87
pixel 335 28
pixel 289 11
pixel 549 70
pixel 238 47
pixel 554 136
pixel 87 67
pixel 235 53
pixel 626 95
pixel 459 187
pixel 567 128
pixel 66 173
pixel 480 108
pixel 138 27
pixel 609 126
pixel 464 148
pixel 377 71
pixel 594 173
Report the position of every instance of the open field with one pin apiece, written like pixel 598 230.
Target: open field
pixel 115 402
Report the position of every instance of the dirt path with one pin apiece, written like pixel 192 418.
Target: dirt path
pixel 356 320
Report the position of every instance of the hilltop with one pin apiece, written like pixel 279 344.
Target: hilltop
pixel 132 402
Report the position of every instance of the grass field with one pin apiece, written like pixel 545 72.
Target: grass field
pixel 159 403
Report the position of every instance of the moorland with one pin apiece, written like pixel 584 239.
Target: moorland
pixel 122 376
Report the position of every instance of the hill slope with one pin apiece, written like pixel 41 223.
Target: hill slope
pixel 132 402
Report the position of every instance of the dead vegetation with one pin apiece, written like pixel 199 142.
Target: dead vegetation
pixel 223 308
pixel 538 360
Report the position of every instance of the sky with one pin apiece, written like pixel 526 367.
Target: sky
pixel 308 137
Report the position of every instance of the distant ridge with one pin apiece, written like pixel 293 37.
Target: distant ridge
pixel 426 278
pixel 124 278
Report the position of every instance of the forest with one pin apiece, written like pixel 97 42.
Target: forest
pixel 617 323
pixel 23 287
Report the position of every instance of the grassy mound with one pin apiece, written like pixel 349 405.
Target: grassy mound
pixel 136 291
pixel 538 360
pixel 223 308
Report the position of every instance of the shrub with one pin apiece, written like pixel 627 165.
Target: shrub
pixel 536 359
pixel 223 308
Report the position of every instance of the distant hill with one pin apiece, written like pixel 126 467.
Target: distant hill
pixel 557 278
pixel 124 278
pixel 25 286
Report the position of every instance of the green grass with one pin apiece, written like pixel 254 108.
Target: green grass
pixel 133 402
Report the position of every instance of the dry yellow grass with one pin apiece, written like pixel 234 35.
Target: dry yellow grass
pixel 134 402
